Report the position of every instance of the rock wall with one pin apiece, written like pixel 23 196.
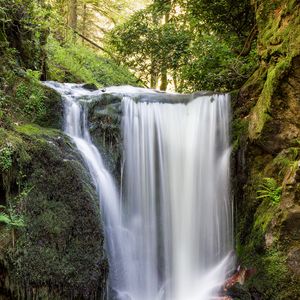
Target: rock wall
pixel 266 160
pixel 57 250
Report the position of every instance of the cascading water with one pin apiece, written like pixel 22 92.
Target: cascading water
pixel 170 237
pixel 177 206
pixel 75 125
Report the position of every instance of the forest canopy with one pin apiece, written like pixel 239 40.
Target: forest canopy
pixel 177 45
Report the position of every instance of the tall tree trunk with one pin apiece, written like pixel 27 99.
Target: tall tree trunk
pixel 164 69
pixel 84 17
pixel 164 78
pixel 153 74
pixel 73 15
pixel 153 81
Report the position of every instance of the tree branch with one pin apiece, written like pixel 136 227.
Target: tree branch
pixel 96 45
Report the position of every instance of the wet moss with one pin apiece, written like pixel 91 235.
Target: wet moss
pixel 239 131
pixel 261 112
pixel 279 31
pixel 105 128
pixel 267 234
pixel 60 252
pixel 278 44
pixel 36 130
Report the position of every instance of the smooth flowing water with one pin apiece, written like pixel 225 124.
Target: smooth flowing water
pixel 170 236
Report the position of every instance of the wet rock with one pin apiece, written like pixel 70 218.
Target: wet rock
pixel 60 252
pixel 90 86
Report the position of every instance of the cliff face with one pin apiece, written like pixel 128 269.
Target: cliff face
pixel 266 133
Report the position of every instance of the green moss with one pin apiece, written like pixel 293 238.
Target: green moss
pixel 263 216
pixel 272 279
pixel 264 241
pixel 36 130
pixel 273 273
pixel 62 242
pixel 261 246
pixel 279 43
pixel 257 79
pixel 5 158
pixel 239 131
pixel 260 112
pixel 286 161
pixel 280 32
pixel 29 95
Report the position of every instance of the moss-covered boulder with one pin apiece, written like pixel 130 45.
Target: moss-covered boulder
pixel 267 154
pixel 58 252
pixel 104 120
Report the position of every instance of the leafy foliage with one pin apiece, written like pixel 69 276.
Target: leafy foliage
pixel 12 221
pixel 211 65
pixel 31 98
pixel 22 30
pixel 199 44
pixel 5 158
pixel 73 62
pixel 270 190
pixel 149 47
pixel 226 17
pixel 10 218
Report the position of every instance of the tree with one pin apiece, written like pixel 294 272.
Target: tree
pixel 152 42
pixel 72 18
pixel 198 44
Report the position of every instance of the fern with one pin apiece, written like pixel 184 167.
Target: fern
pixel 4 218
pixel 269 190
pixel 11 219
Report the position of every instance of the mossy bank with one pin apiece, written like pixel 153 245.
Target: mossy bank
pixel 266 169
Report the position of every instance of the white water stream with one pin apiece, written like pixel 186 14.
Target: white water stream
pixel 170 237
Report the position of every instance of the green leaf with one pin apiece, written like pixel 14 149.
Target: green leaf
pixel 4 218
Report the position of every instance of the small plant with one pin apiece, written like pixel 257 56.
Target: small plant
pixel 12 220
pixel 270 190
pixel 33 75
pixel 32 97
pixel 287 161
pixel 35 104
pixel 21 92
pixel 6 158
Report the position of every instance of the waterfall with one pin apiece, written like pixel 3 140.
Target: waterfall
pixel 170 236
pixel 176 203
pixel 75 125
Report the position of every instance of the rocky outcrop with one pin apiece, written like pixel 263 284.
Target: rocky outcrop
pixel 104 120
pixel 58 252
pixel 266 133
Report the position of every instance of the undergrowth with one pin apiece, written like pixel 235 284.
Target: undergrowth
pixel 78 63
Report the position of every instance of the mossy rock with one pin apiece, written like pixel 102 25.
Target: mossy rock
pixel 59 254
pixel 104 120
pixel 268 233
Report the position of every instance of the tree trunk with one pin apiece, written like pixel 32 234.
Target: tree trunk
pixel 84 17
pixel 73 15
pixel 153 74
pixel 164 69
pixel 164 79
